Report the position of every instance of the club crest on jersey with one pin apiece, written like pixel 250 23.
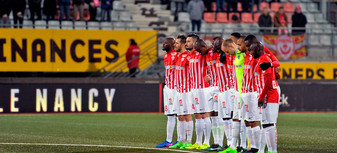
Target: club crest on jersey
pixel 196 100
pixel 170 100
pixel 255 73
pixel 238 56
pixel 180 102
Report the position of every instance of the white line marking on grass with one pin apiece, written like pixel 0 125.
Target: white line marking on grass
pixel 93 145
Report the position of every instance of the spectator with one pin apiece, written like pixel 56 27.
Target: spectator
pixel 35 8
pixel 49 9
pixel 220 5
pixel 5 9
pixel 257 2
pixel 299 21
pixel 232 4
pixel 64 9
pixel 196 10
pixel 281 21
pixel 179 8
pixel 245 5
pixel 106 9
pixel 78 6
pixel 265 21
pixel 19 7
pixel 208 5
pixel 93 4
pixel 132 57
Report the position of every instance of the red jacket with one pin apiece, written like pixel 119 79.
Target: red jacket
pixel 132 52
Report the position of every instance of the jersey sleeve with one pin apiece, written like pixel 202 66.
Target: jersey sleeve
pixel 275 61
pixel 268 78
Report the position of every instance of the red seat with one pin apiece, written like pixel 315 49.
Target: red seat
pixel 263 5
pixel 275 6
pixel 231 15
pixel 247 18
pixel 222 17
pixel 288 7
pixel 256 17
pixel 209 17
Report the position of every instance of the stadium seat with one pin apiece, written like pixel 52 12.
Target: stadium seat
pixel 67 25
pixel 53 25
pixel 80 25
pixel 275 6
pixel 313 40
pixel 118 26
pixel 209 17
pixel 289 7
pixel 221 17
pixel 312 7
pixel 327 28
pixel 131 26
pixel 92 25
pixel 114 16
pixel 27 24
pixel 263 5
pixel 229 27
pixel 256 17
pixel 317 28
pixel 217 27
pixel 325 40
pixel 310 17
pixel 254 28
pixel 335 40
pixel 295 1
pixel 183 17
pixel 106 25
pixel 303 7
pixel 319 18
pixel 118 5
pixel 125 16
pixel 247 18
pixel 231 17
pixel 40 24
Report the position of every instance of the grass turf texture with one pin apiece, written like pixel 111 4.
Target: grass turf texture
pixel 303 132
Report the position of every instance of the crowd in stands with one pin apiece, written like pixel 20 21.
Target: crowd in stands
pixel 273 14
pixel 53 10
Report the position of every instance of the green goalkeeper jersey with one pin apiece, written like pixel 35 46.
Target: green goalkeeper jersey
pixel 238 63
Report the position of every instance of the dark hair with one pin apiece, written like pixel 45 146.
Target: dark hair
pixel 250 38
pixel 200 43
pixel 236 35
pixel 182 38
pixel 194 36
pixel 280 7
pixel 216 38
pixel 243 37
pixel 133 42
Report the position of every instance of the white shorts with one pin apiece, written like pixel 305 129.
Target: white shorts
pixel 183 104
pixel 169 97
pixel 237 107
pixel 200 100
pixel 225 104
pixel 251 110
pixel 214 97
pixel 270 113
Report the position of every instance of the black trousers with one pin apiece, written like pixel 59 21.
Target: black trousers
pixel 132 72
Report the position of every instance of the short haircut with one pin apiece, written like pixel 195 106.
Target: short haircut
pixel 243 37
pixel 250 38
pixel 226 42
pixel 194 36
pixel 281 7
pixel 182 38
pixel 236 35
pixel 200 43
pixel 216 38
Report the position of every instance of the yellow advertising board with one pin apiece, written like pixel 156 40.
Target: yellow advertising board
pixel 47 50
pixel 310 70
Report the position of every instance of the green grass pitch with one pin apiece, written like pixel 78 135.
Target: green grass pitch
pixel 103 133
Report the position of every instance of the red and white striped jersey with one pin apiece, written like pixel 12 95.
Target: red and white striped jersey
pixel 248 72
pixel 224 78
pixel 260 77
pixel 183 77
pixel 198 70
pixel 211 58
pixel 170 67
pixel 231 72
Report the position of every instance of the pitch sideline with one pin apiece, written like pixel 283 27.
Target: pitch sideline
pixel 91 145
